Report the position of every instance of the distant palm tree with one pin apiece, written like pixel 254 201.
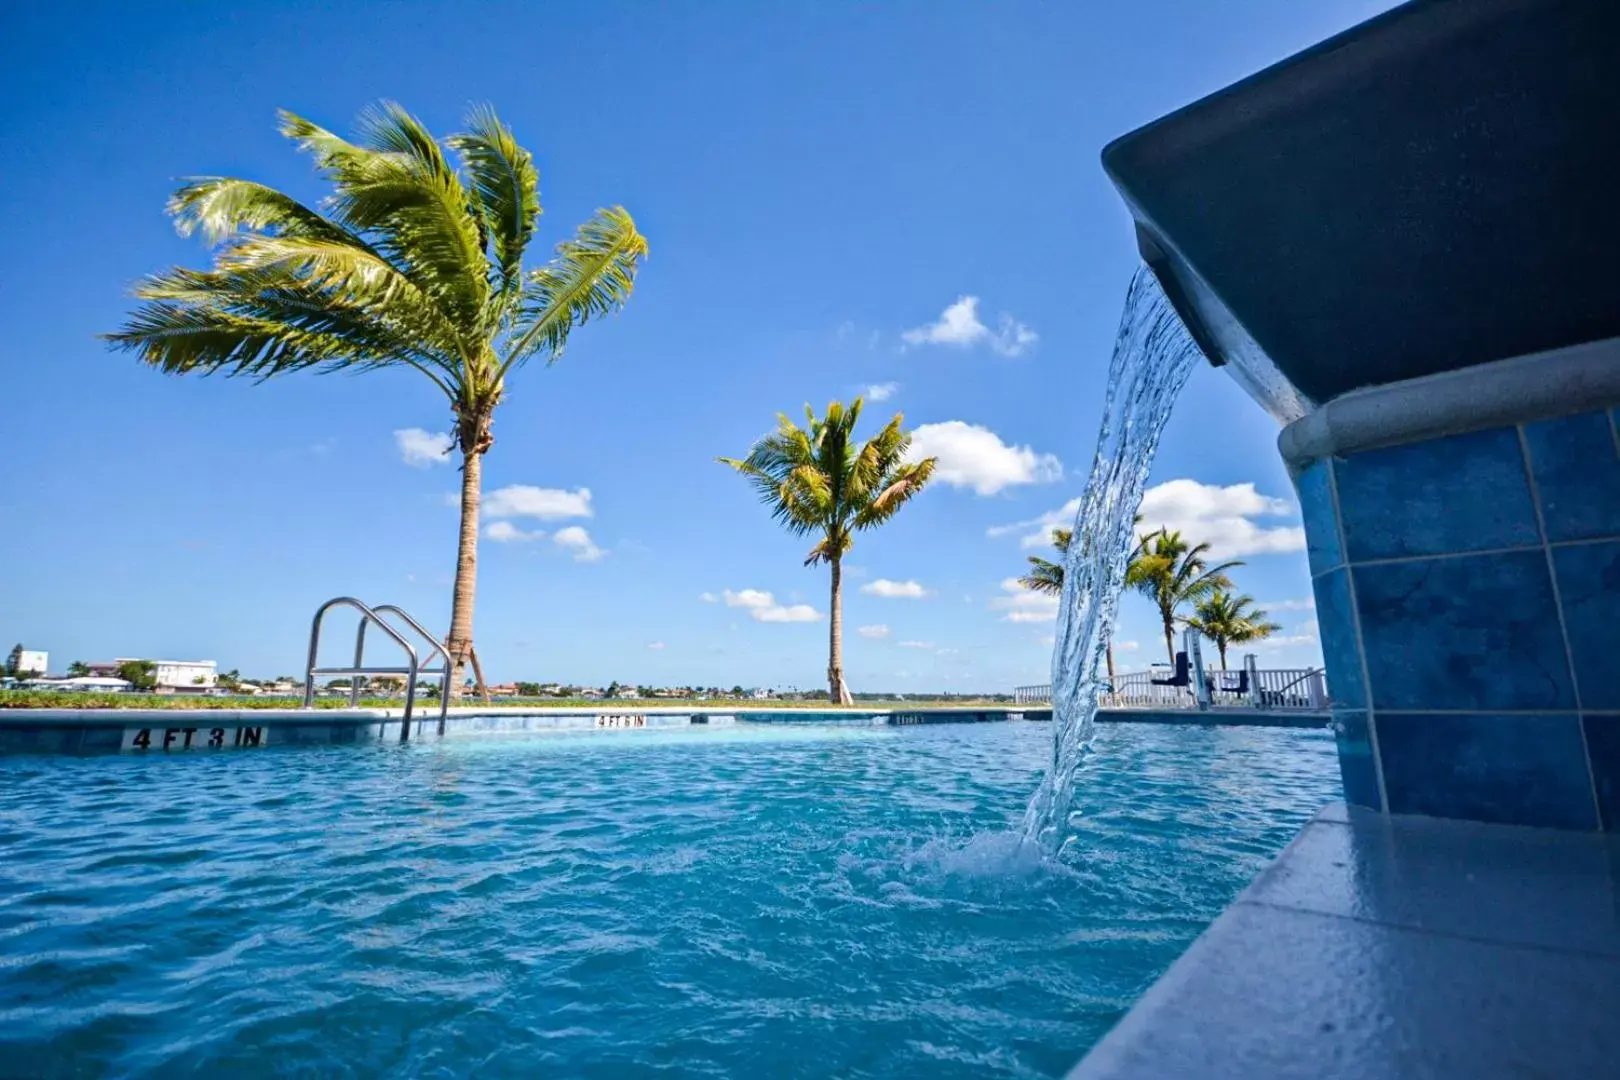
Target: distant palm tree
pixel 1173 575
pixel 1230 620
pixel 1046 576
pixel 414 262
pixel 818 481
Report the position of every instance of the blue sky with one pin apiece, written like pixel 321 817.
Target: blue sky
pixel 815 181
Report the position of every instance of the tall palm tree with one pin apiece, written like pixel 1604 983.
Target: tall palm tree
pixel 1230 620
pixel 818 481
pixel 1173 574
pixel 1046 576
pixel 413 261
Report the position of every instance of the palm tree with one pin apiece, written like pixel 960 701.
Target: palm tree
pixel 414 261
pixel 1046 576
pixel 1230 620
pixel 817 480
pixel 1172 575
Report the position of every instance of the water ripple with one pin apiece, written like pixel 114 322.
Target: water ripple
pixel 754 901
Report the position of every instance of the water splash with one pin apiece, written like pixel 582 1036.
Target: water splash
pixel 1153 355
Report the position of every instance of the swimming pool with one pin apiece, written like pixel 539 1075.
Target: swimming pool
pixel 771 900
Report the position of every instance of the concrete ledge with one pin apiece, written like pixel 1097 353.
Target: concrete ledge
pixel 1378 948
pixel 1541 386
pixel 1278 718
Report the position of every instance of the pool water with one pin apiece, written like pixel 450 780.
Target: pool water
pixel 756 901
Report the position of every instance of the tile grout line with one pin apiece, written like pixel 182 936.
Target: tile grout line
pixel 1361 646
pixel 1395 559
pixel 1424 931
pixel 1563 628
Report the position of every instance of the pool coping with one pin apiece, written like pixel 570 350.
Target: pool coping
pixel 1380 947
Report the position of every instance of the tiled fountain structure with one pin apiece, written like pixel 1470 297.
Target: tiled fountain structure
pixel 1405 243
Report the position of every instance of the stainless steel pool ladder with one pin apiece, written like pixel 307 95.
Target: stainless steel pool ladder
pixel 359 672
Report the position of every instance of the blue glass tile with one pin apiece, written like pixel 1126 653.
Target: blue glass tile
pixel 1589 586
pixel 1460 493
pixel 1577 471
pixel 1335 623
pixel 1513 770
pixel 1478 632
pixel 1322 547
pixel 1603 748
pixel 1356 758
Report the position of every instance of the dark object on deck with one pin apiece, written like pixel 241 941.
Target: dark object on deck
pixel 699 718
pixel 1183 675
pixel 1217 684
pixel 1428 191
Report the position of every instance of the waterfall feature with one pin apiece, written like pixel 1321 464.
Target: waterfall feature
pixel 1153 355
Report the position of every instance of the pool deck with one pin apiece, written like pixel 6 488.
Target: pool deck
pixel 97 730
pixel 1380 948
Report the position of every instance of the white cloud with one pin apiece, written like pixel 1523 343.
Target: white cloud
pixel 421 449
pixel 1221 516
pixel 762 607
pixel 504 532
pixel 881 391
pixel 547 504
pixel 877 630
pixel 909 590
pixel 656 646
pixel 960 325
pixel 975 457
pixel 1303 603
pixel 845 329
pixel 1127 646
pixel 576 540
pixel 1023 605
pixel 1305 634
pixel 916 644
pixel 708 598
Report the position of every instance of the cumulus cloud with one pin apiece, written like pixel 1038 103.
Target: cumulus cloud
pixel 1303 603
pixel 655 646
pixel 959 325
pixel 877 630
pixel 1023 605
pixel 908 590
pixel 708 598
pixel 881 391
pixel 1304 635
pixel 975 457
pixel 762 607
pixel 547 504
pixel 1223 517
pixel 578 542
pixel 1127 646
pixel 504 532
pixel 916 644
pixel 421 449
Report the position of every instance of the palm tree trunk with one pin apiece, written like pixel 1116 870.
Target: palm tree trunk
pixel 1221 645
pixel 1110 663
pixel 461 604
pixel 837 692
pixel 1169 634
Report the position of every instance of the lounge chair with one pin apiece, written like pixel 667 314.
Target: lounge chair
pixel 1183 675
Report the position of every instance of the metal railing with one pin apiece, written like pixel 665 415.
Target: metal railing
pixel 1273 688
pixel 1033 695
pixel 359 672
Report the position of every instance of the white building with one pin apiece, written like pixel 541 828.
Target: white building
pixel 37 661
pixel 182 674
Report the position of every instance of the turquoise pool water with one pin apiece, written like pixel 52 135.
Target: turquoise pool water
pixel 757 901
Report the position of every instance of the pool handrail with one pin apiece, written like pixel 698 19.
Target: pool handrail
pixel 439 650
pixel 355 673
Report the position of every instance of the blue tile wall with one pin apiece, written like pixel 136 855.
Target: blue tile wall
pixel 1513 770
pixel 1461 493
pixel 1589 589
pixel 1603 749
pixel 1468 596
pixel 1335 619
pixel 1577 470
pixel 1478 632
pixel 1322 547
pixel 1356 768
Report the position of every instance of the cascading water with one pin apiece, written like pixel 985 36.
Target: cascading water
pixel 1153 355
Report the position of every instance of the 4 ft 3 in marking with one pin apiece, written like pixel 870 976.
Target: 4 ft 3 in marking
pixel 193 738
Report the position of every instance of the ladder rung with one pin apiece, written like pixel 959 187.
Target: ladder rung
pixel 361 671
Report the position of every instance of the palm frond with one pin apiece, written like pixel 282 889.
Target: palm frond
pixel 506 186
pixel 592 275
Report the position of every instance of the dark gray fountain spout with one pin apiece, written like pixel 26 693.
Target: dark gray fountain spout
pixel 1431 190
